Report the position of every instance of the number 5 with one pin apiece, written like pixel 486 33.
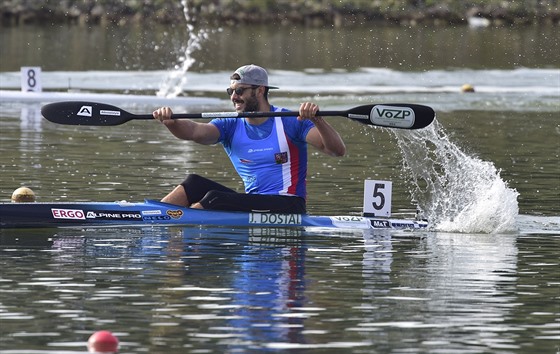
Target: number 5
pixel 377 198
pixel 378 194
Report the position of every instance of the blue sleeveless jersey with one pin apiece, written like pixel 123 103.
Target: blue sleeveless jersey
pixel 271 158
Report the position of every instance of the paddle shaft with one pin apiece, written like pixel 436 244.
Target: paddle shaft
pixel 212 115
pixel 393 115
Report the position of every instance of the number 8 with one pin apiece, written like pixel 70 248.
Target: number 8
pixel 31 82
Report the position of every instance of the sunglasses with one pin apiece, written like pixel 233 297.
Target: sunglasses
pixel 239 90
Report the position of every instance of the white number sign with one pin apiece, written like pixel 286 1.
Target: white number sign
pixel 377 198
pixel 31 79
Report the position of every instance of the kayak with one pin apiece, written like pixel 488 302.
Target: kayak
pixel 151 212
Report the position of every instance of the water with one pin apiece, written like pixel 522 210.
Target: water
pixel 485 281
pixel 177 79
pixel 177 290
pixel 455 191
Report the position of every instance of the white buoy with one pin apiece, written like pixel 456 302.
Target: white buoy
pixel 23 195
pixel 478 22
pixel 467 88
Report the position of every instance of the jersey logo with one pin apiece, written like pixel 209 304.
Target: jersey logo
pixel 281 157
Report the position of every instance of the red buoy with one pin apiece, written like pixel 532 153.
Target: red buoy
pixel 103 342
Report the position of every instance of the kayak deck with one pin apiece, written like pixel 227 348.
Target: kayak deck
pixel 151 212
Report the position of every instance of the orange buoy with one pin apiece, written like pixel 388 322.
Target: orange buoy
pixel 103 342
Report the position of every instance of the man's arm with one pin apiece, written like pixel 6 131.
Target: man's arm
pixel 202 133
pixel 323 136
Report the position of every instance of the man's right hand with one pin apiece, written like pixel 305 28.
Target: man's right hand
pixel 163 114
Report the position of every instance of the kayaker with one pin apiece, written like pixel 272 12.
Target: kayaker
pixel 269 154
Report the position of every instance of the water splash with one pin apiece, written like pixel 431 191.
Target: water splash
pixel 176 79
pixel 455 191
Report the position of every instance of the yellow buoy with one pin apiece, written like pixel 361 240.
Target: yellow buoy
pixel 23 195
pixel 467 88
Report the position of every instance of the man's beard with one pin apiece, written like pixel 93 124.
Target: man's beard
pixel 251 104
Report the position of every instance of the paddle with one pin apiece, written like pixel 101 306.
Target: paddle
pixel 394 115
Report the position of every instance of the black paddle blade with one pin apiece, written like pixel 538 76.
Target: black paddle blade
pixel 393 115
pixel 85 113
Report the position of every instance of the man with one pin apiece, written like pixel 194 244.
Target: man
pixel 269 154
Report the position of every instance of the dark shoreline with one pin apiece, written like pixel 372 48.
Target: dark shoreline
pixel 341 13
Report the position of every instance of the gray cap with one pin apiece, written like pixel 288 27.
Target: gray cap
pixel 251 75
